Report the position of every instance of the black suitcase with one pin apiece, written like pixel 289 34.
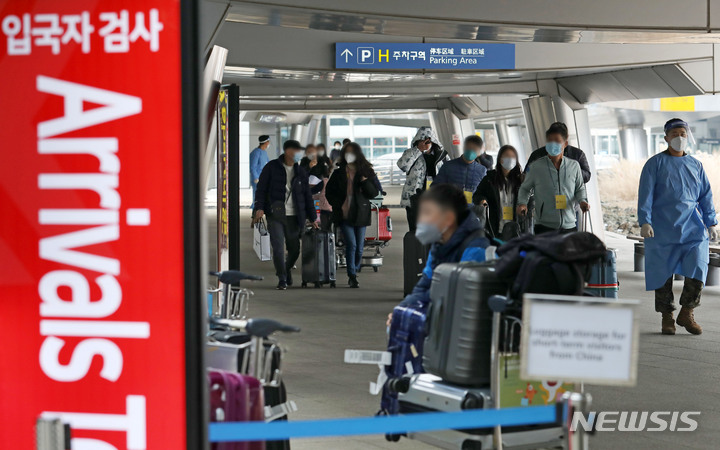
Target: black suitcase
pixel 274 395
pixel 458 343
pixel 318 258
pixel 415 257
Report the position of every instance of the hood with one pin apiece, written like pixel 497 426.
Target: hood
pixel 470 225
pixel 425 133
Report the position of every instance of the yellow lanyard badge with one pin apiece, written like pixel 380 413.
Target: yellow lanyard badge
pixel 560 202
pixel 507 213
pixel 468 197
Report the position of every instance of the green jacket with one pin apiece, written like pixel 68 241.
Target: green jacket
pixel 547 182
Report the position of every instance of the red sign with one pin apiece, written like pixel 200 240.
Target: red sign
pixel 456 139
pixel 91 238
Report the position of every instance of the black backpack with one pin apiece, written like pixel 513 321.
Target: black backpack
pixel 551 263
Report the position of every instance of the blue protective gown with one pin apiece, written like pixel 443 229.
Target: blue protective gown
pixel 676 200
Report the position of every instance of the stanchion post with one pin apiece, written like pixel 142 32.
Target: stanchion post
pixel 572 402
pixel 497 304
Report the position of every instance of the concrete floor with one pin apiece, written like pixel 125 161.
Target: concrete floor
pixel 676 373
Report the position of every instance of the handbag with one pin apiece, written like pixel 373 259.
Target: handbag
pixel 261 241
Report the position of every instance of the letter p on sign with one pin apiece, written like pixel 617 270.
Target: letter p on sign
pixel 366 55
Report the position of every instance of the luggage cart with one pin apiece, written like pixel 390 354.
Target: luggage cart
pixel 378 235
pixel 425 392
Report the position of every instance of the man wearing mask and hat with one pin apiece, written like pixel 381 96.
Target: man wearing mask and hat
pixel 677 216
pixel 258 159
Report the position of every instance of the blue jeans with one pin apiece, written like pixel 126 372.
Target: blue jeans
pixel 354 242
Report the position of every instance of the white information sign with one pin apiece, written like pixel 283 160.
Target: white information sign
pixel 580 339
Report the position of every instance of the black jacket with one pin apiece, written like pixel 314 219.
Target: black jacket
pixel 320 170
pixel 271 189
pixel 488 190
pixel 363 191
pixel 571 152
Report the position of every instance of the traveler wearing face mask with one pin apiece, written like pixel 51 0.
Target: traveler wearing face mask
pixel 319 169
pixel 283 192
pixel 499 190
pixel 677 218
pixel 455 233
pixel 313 164
pixel 335 152
pixel 421 163
pixel 349 190
pixel 323 157
pixel 558 134
pixel 464 172
pixel 558 185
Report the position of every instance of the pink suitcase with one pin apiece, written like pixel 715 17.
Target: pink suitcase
pixel 236 398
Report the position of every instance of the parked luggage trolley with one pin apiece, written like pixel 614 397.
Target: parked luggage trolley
pixel 426 392
pixel 244 349
pixel 377 235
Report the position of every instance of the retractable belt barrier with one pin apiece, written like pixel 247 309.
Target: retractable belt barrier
pixel 432 421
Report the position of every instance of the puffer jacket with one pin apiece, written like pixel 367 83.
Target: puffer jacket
pixel 271 189
pixel 468 243
pixel 547 182
pixel 413 164
pixel 461 174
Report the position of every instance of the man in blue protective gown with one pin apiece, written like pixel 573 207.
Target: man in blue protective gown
pixel 676 214
pixel 258 159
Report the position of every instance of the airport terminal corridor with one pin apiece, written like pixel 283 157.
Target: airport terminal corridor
pixel 680 371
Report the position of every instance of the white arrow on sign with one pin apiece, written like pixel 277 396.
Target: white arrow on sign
pixel 346 53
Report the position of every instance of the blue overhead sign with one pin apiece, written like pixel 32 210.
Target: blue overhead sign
pixel 354 55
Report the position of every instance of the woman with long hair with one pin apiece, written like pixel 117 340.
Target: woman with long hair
pixel 499 190
pixel 349 190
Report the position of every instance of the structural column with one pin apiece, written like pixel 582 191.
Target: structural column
pixel 449 131
pixel 633 143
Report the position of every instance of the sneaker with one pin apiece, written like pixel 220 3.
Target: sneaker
pixel 281 286
pixel 353 282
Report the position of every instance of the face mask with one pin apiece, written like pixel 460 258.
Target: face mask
pixel 312 156
pixel 679 143
pixel 554 148
pixel 428 233
pixel 508 163
pixel 470 155
pixel 350 158
pixel 337 147
pixel 321 153
pixel 298 157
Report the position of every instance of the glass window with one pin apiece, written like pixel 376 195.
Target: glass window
pixel 363 121
pixel 382 141
pixel 402 142
pixel 339 121
pixel 379 151
pixel 364 142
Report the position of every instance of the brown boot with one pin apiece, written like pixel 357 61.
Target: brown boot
pixel 668 323
pixel 685 319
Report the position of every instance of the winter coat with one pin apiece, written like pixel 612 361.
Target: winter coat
pixel 466 244
pixel 413 164
pixel 488 190
pixel 461 174
pixel 363 191
pixel 569 152
pixel 547 182
pixel 271 189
